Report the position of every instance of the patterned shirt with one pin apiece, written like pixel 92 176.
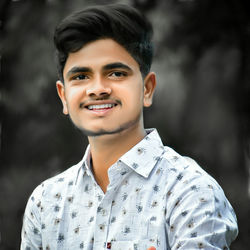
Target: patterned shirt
pixel 155 198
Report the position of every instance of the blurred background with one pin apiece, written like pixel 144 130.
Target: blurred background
pixel 201 107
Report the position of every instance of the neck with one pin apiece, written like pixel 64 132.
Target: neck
pixel 107 149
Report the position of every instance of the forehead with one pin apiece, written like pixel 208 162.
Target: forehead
pixel 99 53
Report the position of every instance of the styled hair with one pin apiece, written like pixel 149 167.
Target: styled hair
pixel 122 23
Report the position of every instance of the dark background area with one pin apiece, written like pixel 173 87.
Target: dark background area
pixel 201 107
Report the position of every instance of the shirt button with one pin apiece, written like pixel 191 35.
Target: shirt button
pixel 108 245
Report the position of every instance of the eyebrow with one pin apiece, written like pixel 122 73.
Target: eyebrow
pixel 116 65
pixel 78 70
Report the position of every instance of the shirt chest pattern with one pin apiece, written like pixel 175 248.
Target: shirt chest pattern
pixel 155 198
pixel 130 213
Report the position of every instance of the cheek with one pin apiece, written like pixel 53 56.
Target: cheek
pixel 137 95
pixel 132 91
pixel 133 99
pixel 74 96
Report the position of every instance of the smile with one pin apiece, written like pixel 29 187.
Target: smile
pixel 101 106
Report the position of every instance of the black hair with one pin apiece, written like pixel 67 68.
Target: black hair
pixel 122 23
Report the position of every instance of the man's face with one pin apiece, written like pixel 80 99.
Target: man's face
pixel 103 90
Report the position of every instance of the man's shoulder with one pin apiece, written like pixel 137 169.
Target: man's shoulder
pixel 185 170
pixel 57 184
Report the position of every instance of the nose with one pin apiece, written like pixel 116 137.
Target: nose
pixel 98 88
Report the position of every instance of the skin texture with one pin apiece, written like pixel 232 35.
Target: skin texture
pixel 96 75
pixel 103 72
pixel 99 83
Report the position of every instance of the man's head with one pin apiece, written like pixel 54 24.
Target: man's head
pixel 121 23
pixel 105 55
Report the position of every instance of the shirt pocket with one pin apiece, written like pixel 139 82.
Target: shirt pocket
pixel 156 234
pixel 134 245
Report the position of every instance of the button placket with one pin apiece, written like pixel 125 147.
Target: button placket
pixel 102 216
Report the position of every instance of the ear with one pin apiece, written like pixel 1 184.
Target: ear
pixel 149 87
pixel 61 93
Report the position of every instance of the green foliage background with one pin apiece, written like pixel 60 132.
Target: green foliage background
pixel 201 107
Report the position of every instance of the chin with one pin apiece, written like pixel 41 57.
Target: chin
pixel 111 131
pixel 100 132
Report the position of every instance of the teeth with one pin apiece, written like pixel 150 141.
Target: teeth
pixel 101 106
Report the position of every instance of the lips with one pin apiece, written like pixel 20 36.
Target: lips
pixel 100 109
pixel 101 106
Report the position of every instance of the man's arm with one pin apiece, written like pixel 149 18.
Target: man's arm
pixel 31 230
pixel 201 219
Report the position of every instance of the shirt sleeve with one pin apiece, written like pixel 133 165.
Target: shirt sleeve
pixel 31 230
pixel 201 218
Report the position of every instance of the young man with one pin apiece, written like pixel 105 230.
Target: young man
pixel 128 191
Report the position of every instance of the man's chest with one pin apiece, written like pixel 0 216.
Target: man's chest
pixel 127 217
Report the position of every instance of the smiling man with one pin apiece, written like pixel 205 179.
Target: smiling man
pixel 129 191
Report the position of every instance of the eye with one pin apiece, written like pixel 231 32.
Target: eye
pixel 118 74
pixel 79 77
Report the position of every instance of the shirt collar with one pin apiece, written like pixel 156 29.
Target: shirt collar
pixel 84 164
pixel 143 156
